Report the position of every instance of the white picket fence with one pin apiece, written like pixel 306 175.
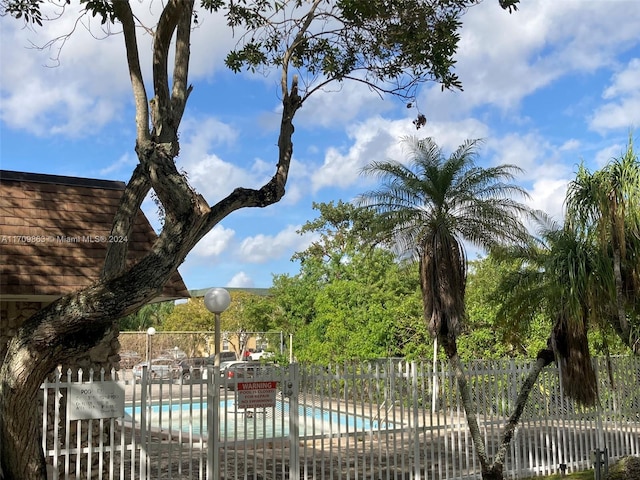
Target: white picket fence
pixel 355 421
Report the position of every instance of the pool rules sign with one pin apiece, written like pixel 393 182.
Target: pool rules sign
pixel 256 394
pixel 95 400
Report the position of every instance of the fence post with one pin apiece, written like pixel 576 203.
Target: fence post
pixel 213 422
pixel 416 424
pixel 434 378
pixel 145 402
pixel 292 389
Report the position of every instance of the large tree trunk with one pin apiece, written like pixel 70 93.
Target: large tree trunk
pixel 451 350
pixel 492 470
pixel 55 336
pixel 20 410
pixel 545 357
pixel 22 457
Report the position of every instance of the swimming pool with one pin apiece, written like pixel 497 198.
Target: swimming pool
pixel 239 424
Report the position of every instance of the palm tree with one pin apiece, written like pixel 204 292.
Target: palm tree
pixel 150 315
pixel 604 208
pixel 427 209
pixel 431 206
pixel 556 275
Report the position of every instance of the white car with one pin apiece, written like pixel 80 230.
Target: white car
pixel 223 367
pixel 259 355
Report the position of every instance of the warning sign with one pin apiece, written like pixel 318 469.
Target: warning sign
pixel 256 394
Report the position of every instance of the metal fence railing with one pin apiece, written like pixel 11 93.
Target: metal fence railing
pixel 378 420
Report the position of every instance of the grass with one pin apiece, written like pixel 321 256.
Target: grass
pixel 584 475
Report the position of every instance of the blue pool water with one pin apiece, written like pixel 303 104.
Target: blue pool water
pixel 238 424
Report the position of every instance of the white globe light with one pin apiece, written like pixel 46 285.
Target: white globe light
pixel 217 300
pixel 151 331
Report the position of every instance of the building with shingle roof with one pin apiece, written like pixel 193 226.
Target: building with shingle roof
pixel 54 232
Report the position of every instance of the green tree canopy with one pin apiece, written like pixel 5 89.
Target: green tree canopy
pixel 190 316
pixel 485 334
pixel 363 313
pixel 349 301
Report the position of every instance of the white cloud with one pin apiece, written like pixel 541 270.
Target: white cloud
pixel 127 160
pixel 504 57
pixel 538 157
pixel 210 43
pixel 264 248
pixel 571 144
pixel 215 242
pixel 298 183
pixel 215 179
pixel 341 103
pixel 199 135
pixel 449 135
pixel 379 139
pixel 375 139
pixel 547 167
pixel 371 141
pixel 625 82
pixel 208 173
pixel 548 195
pixel 88 84
pixel 81 94
pixel 613 116
pixel 335 106
pixel 622 108
pixel 241 280
pixel 606 154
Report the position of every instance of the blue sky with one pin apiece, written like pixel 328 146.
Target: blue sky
pixel 550 86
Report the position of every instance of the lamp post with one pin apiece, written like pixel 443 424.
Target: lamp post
pixel 150 332
pixel 217 300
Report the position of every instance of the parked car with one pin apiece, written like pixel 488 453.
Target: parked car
pixel 174 353
pixel 161 368
pixel 226 356
pixel 193 368
pixel 244 370
pixel 129 358
pixel 226 365
pixel 260 354
pixel 223 365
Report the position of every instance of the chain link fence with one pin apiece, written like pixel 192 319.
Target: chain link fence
pixel 179 345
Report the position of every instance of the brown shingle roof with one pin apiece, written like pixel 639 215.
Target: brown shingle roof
pixel 53 232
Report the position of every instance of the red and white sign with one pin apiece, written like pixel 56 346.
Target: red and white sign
pixel 256 394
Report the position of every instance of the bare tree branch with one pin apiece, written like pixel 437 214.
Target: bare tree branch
pixel 132 198
pixel 161 106
pixel 125 15
pixel 181 92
